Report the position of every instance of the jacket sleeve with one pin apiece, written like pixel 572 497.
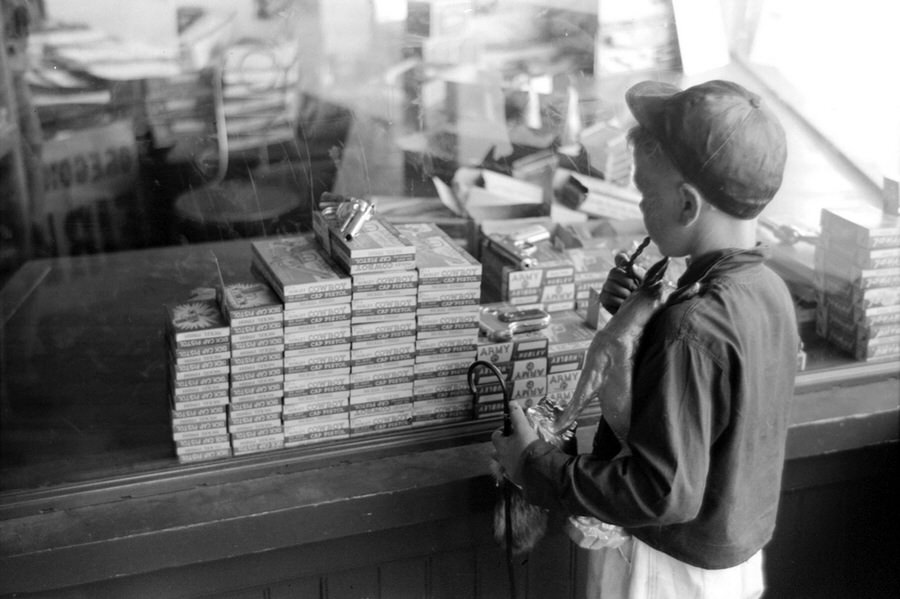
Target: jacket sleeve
pixel 662 480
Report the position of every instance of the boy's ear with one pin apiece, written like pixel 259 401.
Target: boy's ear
pixel 691 204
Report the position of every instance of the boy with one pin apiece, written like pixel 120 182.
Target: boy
pixel 713 372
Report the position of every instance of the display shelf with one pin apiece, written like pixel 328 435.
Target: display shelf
pixel 186 517
pixel 847 399
pixel 92 493
pixel 93 499
pixel 68 435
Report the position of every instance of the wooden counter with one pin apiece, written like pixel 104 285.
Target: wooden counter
pixel 92 494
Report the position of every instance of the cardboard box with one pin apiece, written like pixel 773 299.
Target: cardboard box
pixel 439 259
pixel 378 247
pixel 300 271
pixel 250 302
pixel 871 229
pixel 385 284
pixel 196 322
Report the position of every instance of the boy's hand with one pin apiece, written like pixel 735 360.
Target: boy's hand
pixel 619 284
pixel 509 449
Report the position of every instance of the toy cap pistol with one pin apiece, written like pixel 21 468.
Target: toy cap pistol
pixel 349 214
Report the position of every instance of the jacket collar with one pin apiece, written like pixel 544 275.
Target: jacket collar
pixel 714 263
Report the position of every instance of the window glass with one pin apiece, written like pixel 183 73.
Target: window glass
pixel 835 64
pixel 160 125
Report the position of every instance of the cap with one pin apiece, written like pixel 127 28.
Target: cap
pixel 719 136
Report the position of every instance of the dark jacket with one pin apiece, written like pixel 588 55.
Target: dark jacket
pixel 712 386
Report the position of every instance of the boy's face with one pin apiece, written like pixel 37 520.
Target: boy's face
pixel 659 183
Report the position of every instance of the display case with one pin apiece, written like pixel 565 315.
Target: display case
pixel 93 501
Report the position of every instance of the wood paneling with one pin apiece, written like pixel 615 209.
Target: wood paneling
pixel 836 537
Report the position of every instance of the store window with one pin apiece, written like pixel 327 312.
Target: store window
pixel 168 125
pixel 834 63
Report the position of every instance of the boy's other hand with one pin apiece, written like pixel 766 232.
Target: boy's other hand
pixel 510 449
pixel 619 284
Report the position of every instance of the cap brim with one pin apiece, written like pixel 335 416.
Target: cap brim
pixel 646 101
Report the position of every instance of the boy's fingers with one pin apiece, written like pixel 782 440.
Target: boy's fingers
pixel 616 290
pixel 517 416
pixel 621 260
pixel 618 277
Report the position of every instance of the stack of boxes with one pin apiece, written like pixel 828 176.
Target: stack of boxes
pixel 382 350
pixel 857 275
pixel 255 406
pixel 199 348
pixel 541 276
pixel 522 360
pixel 607 145
pixel 591 268
pixel 590 255
pixel 446 333
pixel 557 272
pixel 260 88
pixel 569 339
pixel 335 337
pixel 179 112
pixel 382 266
pixel 315 294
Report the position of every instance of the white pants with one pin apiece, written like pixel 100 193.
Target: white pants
pixel 637 571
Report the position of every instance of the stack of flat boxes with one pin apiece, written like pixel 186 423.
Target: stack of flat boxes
pixel 591 257
pixel 569 338
pixel 198 342
pixel 178 110
pixel 316 297
pixel 446 333
pixel 591 268
pixel 382 265
pixel 857 273
pixel 382 350
pixel 548 283
pixel 255 406
pixel 523 363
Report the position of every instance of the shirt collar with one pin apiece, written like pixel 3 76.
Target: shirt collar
pixel 719 261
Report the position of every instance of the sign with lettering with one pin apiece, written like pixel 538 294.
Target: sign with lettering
pixel 90 196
